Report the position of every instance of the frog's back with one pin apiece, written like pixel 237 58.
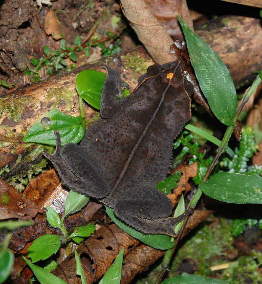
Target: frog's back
pixel 139 136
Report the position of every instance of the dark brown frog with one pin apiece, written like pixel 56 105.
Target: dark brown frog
pixel 128 151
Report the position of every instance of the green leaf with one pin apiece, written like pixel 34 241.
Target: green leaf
pixel 5 84
pixel 83 231
pixel 47 51
pixel 162 242
pixel 113 274
pixel 209 137
pixel 6 264
pixel 73 56
pixel 89 85
pixel 192 279
pixel 63 44
pixel 167 185
pixel 234 188
pixel 180 209
pixel 213 77
pixel 12 225
pixel 78 40
pixel 43 276
pixel 87 51
pixel 52 265
pixel 70 128
pixel 260 72
pixel 35 61
pixel 43 247
pixel 53 218
pixel 79 268
pixel 74 202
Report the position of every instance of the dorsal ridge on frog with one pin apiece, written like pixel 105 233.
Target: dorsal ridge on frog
pixel 128 151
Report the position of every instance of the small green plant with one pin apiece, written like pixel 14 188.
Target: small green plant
pixel 55 60
pixel 238 226
pixel 66 56
pixel 39 251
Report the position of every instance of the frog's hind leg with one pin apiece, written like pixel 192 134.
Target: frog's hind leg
pixel 134 213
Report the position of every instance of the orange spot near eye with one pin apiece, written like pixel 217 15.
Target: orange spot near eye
pixel 170 75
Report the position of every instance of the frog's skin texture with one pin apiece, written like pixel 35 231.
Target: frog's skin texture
pixel 128 151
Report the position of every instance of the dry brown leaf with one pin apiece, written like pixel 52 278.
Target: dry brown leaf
pixel 39 189
pixel 188 171
pixel 257 158
pixel 97 254
pixel 52 26
pixel 6 158
pixel 166 12
pixel 255 116
pixel 145 25
pixel 13 204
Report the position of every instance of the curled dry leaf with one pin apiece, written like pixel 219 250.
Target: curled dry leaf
pixel 166 12
pixel 145 25
pixel 188 171
pixel 52 25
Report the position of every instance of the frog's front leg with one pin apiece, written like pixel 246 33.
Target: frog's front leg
pixel 77 170
pixel 112 89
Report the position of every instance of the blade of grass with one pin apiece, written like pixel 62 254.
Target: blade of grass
pixel 209 137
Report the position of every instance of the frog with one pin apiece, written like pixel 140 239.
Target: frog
pixel 128 151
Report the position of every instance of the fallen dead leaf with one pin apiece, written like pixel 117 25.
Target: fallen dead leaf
pixel 40 189
pixel 188 171
pixel 13 204
pixel 166 12
pixel 52 26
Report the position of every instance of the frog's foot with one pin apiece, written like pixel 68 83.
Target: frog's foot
pixel 132 214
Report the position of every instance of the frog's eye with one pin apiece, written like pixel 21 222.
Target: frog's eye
pixel 170 76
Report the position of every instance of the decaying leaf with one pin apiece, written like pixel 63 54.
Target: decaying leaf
pixel 13 204
pixel 52 25
pixel 188 171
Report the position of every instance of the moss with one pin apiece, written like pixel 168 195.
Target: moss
pixel 20 181
pixel 245 270
pixel 225 21
pixel 63 97
pixel 206 247
pixel 13 107
pixel 136 63
pixel 4 199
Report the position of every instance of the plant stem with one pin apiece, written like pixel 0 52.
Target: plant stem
pixel 220 150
